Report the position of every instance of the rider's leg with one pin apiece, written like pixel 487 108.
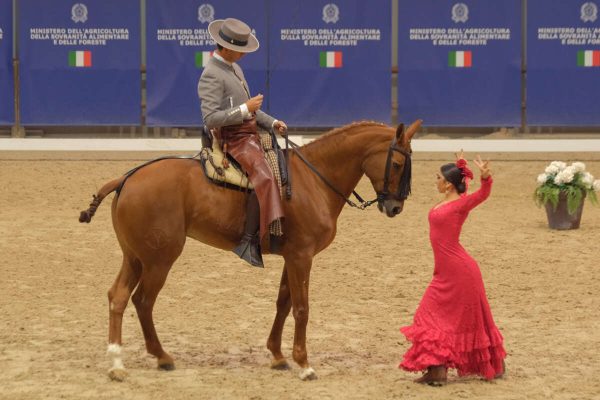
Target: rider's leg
pixel 249 247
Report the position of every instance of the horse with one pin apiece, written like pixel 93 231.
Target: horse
pixel 160 205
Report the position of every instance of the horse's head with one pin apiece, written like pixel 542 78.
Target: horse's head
pixel 389 169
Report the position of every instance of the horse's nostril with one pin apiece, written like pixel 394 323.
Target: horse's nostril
pixel 396 210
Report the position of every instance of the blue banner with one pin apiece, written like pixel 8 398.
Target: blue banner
pixel 330 63
pixel 563 63
pixel 179 46
pixel 80 62
pixel 459 63
pixel 7 105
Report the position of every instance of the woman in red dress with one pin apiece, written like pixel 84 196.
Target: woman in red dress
pixel 453 325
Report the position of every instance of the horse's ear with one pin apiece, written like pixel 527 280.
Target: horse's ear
pixel 399 131
pixel 410 132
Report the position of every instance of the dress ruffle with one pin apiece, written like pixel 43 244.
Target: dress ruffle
pixel 470 353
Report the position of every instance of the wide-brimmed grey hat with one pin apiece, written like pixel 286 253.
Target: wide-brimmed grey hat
pixel 233 34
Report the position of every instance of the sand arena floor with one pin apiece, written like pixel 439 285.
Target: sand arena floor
pixel 214 313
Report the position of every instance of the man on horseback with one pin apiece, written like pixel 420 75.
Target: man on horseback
pixel 232 114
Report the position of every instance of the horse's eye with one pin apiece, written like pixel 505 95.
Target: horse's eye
pixel 396 165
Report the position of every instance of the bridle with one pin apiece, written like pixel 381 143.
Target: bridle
pixel 403 186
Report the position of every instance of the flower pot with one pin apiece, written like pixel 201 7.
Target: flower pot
pixel 560 218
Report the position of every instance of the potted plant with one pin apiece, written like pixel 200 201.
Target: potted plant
pixel 561 190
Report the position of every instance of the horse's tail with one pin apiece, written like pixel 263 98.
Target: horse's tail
pixel 86 216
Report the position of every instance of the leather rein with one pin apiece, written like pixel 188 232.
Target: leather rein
pixel 403 187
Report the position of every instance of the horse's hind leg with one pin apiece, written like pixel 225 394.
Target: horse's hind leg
pixel 118 296
pixel 284 305
pixel 151 282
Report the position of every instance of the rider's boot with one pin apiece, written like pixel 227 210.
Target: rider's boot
pixel 249 247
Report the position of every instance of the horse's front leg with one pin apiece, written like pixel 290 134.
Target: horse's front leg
pixel 298 269
pixel 284 305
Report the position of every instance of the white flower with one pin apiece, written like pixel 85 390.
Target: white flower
pixel 551 170
pixel 559 164
pixel 587 179
pixel 578 166
pixel 558 173
pixel 564 176
pixel 541 179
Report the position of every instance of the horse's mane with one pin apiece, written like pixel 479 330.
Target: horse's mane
pixel 342 129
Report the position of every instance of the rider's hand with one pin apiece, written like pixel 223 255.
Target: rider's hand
pixel 281 127
pixel 254 103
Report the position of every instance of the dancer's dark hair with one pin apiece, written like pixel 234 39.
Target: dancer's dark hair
pixel 454 175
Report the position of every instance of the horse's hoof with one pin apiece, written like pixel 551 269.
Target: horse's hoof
pixel 166 367
pixel 280 365
pixel 308 374
pixel 117 374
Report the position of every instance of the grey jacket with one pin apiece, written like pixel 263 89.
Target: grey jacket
pixel 221 93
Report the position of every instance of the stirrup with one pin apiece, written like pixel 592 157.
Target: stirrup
pixel 249 251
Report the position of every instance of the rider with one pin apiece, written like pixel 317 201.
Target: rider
pixel 228 107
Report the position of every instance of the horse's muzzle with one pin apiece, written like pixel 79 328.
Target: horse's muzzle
pixel 391 207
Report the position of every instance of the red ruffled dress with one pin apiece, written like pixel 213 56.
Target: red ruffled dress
pixel 453 325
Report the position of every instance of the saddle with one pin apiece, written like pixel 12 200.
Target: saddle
pixel 223 170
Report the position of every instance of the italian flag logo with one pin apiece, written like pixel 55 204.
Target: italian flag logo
pixel 80 59
pixel 588 58
pixel 330 59
pixel 460 59
pixel 202 58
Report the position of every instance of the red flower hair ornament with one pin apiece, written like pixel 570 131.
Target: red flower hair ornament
pixel 467 174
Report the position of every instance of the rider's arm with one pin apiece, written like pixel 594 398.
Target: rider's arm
pixel 214 112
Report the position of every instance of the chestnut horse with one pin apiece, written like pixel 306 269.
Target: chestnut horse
pixel 164 202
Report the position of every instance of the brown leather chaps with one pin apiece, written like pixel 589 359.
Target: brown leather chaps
pixel 244 145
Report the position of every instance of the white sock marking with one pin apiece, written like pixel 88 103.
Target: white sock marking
pixel 114 352
pixel 307 373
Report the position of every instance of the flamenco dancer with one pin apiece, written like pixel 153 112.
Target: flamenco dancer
pixel 453 325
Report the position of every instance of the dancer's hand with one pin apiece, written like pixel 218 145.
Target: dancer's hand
pixel 484 167
pixel 460 156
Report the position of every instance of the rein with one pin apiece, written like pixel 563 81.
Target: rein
pixel 134 170
pixel 403 187
pixel 401 194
